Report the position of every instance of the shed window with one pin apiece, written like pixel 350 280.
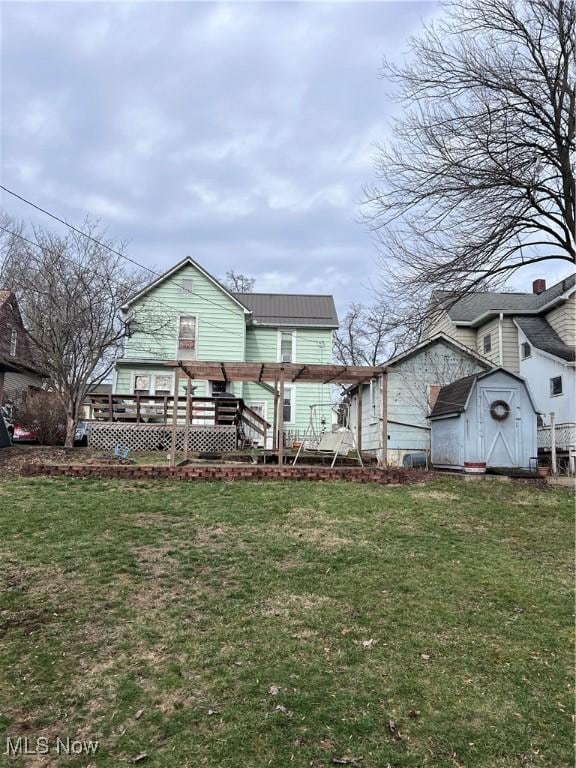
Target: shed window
pixel 488 342
pixel 286 346
pixel 13 342
pixel 526 350
pixel 187 338
pixel 556 385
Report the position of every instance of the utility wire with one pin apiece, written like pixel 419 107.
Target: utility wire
pixel 103 245
pixel 167 310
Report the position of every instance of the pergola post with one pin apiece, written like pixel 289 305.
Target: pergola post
pixel 384 419
pixel 359 417
pixel 275 418
pixel 187 422
pixel 174 417
pixel 280 419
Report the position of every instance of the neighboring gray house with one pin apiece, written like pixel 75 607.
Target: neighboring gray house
pixel 487 418
pixel 414 379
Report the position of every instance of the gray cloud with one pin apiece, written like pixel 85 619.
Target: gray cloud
pixel 239 134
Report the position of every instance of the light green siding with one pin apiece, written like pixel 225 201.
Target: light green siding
pixel 311 345
pixel 221 322
pixel 224 333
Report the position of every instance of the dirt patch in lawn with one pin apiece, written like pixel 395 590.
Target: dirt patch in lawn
pixel 286 605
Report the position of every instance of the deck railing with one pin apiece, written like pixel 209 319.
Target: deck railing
pixel 159 409
pixel 565 435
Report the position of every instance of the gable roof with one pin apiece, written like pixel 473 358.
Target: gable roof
pixel 188 261
pixel 290 309
pixel 453 398
pixel 434 340
pixel 542 336
pixel 477 306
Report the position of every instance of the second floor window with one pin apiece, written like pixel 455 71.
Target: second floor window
pixel 488 342
pixel 13 342
pixel 286 346
pixel 526 350
pixel 556 385
pixel 187 338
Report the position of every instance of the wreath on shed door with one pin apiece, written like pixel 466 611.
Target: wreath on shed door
pixel 499 410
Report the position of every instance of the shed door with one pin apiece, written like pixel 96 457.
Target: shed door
pixel 499 424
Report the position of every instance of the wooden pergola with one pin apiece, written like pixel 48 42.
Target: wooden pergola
pixel 276 375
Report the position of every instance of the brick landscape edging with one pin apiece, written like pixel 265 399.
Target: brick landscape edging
pixel 229 472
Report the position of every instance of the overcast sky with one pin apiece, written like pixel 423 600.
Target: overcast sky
pixel 239 134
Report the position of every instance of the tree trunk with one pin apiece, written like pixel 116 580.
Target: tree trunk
pixel 71 422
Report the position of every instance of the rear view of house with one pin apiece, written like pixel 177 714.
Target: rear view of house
pixel 188 315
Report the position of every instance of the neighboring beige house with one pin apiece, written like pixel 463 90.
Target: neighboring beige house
pixel 531 334
pixel 485 322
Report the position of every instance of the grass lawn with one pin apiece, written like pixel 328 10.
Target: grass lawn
pixel 288 624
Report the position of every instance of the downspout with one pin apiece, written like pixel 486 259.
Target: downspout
pixel 500 339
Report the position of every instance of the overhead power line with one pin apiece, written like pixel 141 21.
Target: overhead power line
pixel 103 245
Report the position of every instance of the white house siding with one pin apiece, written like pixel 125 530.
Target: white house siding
pixel 409 383
pixel 563 320
pixel 538 369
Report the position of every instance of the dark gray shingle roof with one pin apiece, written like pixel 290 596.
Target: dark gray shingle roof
pixel 452 398
pixel 290 309
pixel 476 305
pixel 542 336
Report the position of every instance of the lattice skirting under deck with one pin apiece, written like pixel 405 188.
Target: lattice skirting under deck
pixel 152 437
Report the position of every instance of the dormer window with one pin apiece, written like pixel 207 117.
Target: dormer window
pixel 13 342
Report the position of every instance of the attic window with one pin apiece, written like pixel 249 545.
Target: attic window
pixel 488 342
pixel 526 350
pixel 13 342
pixel 187 285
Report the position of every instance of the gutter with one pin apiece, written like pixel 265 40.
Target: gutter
pixel 500 339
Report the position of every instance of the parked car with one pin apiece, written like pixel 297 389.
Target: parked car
pixel 24 433
pixel 81 434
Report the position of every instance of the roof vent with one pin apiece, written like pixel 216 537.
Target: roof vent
pixel 539 286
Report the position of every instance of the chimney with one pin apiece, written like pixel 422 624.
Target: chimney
pixel 539 286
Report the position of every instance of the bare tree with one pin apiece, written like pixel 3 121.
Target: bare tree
pixel 70 291
pixel 478 180
pixel 239 283
pixel 368 335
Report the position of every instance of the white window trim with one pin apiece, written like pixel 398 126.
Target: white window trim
pixel 522 355
pixel 180 316
pixel 13 342
pixel 558 394
pixel 292 331
pixel 152 381
pixel 292 388
pixel 255 401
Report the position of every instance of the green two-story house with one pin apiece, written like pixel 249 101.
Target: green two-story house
pixel 186 314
